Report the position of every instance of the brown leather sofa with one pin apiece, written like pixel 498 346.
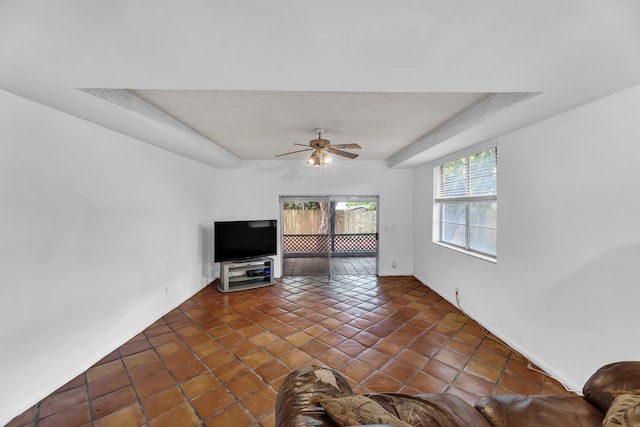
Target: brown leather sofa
pixel 298 402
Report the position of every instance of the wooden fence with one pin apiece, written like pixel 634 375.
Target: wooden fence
pixel 307 221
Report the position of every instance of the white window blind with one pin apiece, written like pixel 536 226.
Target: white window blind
pixel 469 177
pixel 466 194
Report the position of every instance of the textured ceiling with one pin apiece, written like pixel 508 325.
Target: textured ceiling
pixel 410 81
pixel 256 125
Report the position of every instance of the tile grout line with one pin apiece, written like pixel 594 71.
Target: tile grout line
pixel 377 370
pixel 460 371
pixel 175 381
pixel 360 302
pixel 250 369
pixel 502 371
pixel 135 391
pixel 89 400
pixel 36 420
pixel 427 358
pixel 238 401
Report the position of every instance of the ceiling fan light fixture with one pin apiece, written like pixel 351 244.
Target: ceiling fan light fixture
pixel 320 149
pixel 314 159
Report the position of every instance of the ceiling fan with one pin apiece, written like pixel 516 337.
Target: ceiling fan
pixel 321 148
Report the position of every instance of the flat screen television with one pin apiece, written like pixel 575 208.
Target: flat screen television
pixel 243 240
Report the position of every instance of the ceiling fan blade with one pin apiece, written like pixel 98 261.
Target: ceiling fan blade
pixel 352 146
pixel 292 152
pixel 341 153
pixel 301 145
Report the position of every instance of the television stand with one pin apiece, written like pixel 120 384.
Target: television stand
pixel 242 275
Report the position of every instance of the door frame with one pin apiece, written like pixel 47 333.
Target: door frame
pixel 333 199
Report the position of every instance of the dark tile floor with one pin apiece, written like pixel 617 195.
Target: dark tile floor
pixel 219 359
pixel 318 266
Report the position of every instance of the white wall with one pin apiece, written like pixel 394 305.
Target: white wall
pixel 253 191
pixel 100 236
pixel 103 234
pixel 565 288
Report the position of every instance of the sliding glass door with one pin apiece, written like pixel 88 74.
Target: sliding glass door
pixel 305 235
pixel 329 235
pixel 354 235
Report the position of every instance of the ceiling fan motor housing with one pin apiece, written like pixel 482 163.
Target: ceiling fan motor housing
pixel 319 143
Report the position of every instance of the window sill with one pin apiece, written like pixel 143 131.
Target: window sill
pixel 473 254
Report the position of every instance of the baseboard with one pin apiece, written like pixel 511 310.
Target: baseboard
pixel 545 368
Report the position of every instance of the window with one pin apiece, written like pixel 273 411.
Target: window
pixel 466 203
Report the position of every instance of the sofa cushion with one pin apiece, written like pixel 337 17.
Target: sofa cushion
pixel 434 410
pixel 359 410
pixel 623 412
pixel 535 411
pixel 298 400
pixel 610 380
